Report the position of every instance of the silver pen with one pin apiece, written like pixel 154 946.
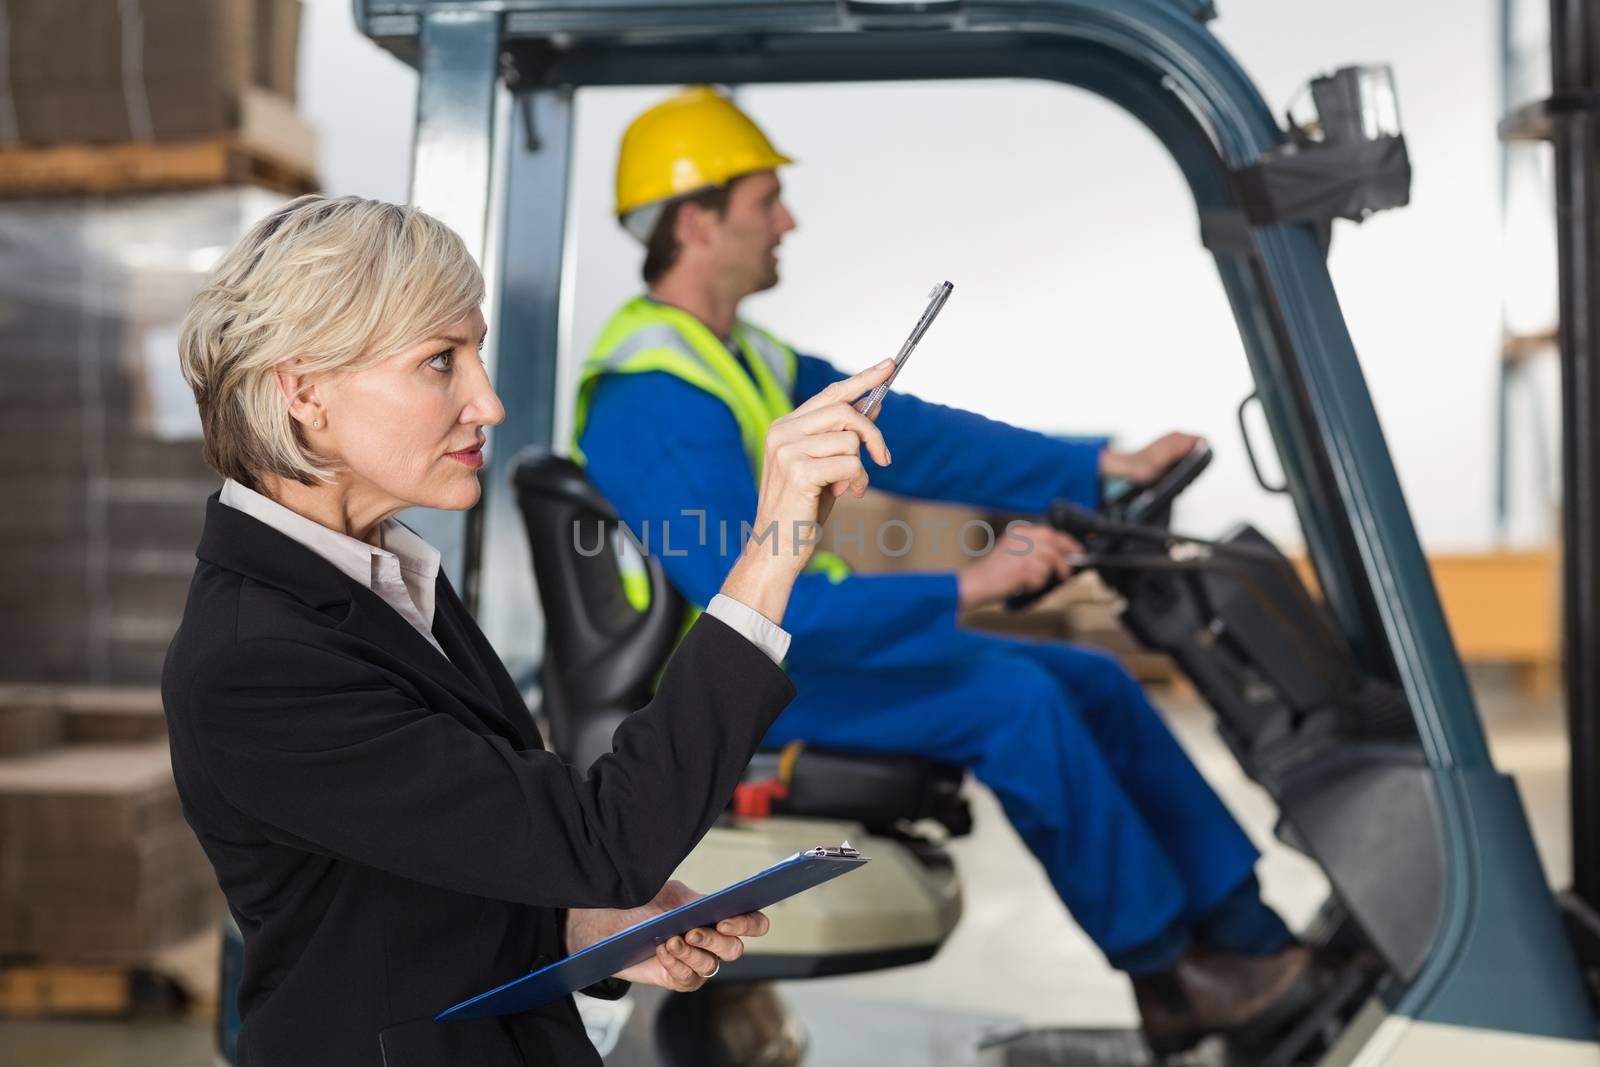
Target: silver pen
pixel 936 298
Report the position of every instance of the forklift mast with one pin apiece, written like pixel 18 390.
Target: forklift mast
pixel 1575 83
pixel 1570 120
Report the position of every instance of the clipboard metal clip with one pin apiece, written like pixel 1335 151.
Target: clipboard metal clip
pixel 843 851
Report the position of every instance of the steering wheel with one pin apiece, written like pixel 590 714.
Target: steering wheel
pixel 1138 505
pixel 1151 505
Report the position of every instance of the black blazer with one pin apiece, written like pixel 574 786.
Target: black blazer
pixel 387 827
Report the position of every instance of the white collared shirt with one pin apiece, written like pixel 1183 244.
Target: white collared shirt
pixel 403 573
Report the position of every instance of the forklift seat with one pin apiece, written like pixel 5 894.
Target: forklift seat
pixel 603 653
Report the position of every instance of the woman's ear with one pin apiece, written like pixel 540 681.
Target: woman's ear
pixel 300 393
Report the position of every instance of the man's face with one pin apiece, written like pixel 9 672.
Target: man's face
pixel 744 243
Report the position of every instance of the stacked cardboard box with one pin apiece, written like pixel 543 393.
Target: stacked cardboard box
pixel 29 721
pixel 107 903
pixel 885 534
pixel 98 71
pixel 96 861
pixel 94 715
pixel 36 718
pixel 882 533
pixel 277 46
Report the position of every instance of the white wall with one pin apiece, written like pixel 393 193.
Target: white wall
pixel 363 102
pixel 1420 286
pixel 1083 300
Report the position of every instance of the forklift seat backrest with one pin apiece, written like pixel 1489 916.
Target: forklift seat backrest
pixel 605 650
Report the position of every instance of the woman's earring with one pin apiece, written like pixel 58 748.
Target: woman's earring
pixel 316 424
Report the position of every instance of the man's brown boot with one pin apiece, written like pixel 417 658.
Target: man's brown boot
pixel 1215 993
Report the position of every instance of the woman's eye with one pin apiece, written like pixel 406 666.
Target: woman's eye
pixel 441 362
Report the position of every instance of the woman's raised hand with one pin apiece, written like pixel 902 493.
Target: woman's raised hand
pixel 812 457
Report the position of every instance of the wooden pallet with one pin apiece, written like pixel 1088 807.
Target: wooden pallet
pixel 81 168
pixel 270 145
pixel 181 979
pixel 35 990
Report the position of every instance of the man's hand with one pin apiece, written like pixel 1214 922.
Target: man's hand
pixel 1025 560
pixel 1150 462
pixel 682 964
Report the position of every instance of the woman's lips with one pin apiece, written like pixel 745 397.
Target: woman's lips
pixel 469 457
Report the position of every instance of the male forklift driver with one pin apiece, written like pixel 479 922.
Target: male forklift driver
pixel 672 405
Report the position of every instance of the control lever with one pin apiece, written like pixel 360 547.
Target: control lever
pixel 1077 521
pixel 1073 520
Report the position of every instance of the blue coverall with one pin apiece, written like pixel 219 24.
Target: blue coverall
pixel 1135 842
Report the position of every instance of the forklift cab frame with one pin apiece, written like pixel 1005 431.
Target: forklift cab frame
pixel 495 165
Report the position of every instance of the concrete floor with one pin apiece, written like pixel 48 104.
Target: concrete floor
pixel 1016 955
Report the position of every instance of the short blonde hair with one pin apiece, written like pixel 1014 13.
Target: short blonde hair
pixel 339 283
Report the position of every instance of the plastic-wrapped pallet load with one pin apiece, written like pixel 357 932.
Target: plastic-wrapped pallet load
pixel 99 442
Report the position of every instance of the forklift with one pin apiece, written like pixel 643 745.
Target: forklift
pixel 1354 712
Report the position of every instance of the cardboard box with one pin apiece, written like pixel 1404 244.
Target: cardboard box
pixel 111 714
pixel 1503 607
pixel 132 930
pixel 29 721
pixel 15 937
pixel 268 123
pixel 58 114
pixel 106 43
pixel 63 43
pixel 94 71
pixel 163 862
pixel 886 534
pixel 96 861
pixel 89 795
pixel 277 46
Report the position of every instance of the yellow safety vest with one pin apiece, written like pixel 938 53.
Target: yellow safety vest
pixel 648 336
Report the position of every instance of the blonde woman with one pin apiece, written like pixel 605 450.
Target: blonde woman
pixel 382 816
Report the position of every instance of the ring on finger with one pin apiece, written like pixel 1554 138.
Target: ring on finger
pixel 715 967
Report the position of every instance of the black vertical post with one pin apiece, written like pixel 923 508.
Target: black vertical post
pixel 1575 80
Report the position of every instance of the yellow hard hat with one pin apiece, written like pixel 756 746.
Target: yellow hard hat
pixel 689 142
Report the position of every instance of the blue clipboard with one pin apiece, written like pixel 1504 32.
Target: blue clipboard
pixel 622 950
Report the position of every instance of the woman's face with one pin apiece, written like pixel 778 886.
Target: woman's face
pixel 408 431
